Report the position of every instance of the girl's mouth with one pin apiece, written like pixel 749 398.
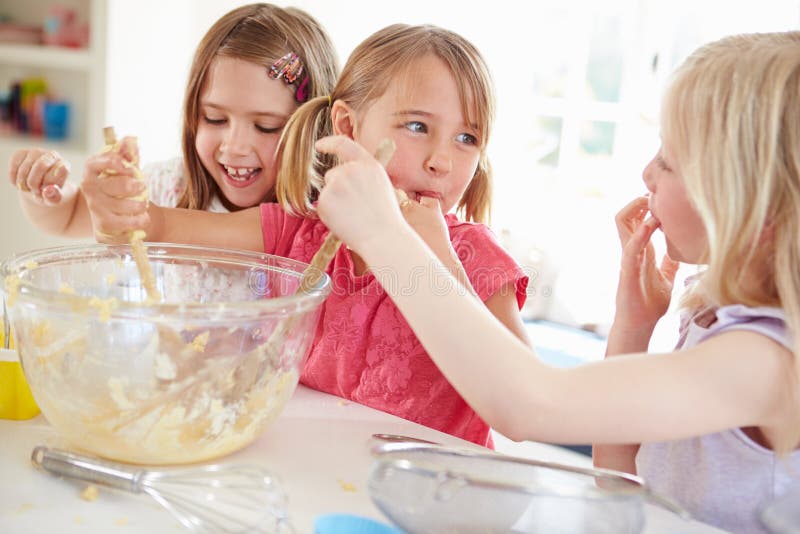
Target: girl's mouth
pixel 240 176
pixel 416 195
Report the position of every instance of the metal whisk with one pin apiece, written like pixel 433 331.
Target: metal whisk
pixel 213 498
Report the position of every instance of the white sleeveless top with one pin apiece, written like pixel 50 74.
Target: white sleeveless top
pixel 166 182
pixel 723 479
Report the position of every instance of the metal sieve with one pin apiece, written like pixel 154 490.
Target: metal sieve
pixel 434 489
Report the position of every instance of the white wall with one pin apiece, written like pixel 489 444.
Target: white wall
pixel 150 45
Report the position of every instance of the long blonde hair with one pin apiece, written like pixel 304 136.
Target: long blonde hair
pixel 378 61
pixel 732 120
pixel 261 34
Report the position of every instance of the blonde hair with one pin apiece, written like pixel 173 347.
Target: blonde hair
pixel 260 34
pixel 730 119
pixel 378 61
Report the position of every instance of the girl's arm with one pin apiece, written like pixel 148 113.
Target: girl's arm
pixel 643 295
pixel 112 192
pixel 503 305
pixel 425 217
pixel 238 230
pixel 733 380
pixel 114 214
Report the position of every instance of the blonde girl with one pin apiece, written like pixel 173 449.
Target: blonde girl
pixel 253 68
pixel 715 424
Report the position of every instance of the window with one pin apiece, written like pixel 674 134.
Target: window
pixel 579 86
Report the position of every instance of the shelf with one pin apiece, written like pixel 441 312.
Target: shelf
pixel 13 142
pixel 45 56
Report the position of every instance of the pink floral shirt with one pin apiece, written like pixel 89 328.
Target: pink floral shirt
pixel 364 349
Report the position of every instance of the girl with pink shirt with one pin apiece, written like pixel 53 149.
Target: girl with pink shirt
pixel 429 91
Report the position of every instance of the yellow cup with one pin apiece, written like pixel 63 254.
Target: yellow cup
pixel 16 401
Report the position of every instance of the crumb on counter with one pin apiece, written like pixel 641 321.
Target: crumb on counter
pixel 24 508
pixel 122 521
pixel 346 486
pixel 90 493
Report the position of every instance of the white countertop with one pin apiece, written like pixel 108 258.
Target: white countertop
pixel 319 447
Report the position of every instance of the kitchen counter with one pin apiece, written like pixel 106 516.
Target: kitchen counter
pixel 319 448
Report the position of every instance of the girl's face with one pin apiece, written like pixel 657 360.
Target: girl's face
pixel 242 114
pixel 681 224
pixel 437 152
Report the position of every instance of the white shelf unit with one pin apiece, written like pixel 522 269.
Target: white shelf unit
pixel 77 76
pixel 46 56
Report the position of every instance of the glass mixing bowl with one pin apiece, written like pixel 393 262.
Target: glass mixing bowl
pixel 190 378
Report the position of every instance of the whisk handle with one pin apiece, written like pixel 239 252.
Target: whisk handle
pixel 86 468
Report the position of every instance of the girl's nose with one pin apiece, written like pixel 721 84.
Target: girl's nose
pixel 236 141
pixel 648 175
pixel 440 161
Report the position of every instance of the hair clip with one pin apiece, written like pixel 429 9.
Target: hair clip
pixel 301 95
pixel 290 67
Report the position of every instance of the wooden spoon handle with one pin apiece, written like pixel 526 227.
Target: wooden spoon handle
pixel 138 250
pixel 322 258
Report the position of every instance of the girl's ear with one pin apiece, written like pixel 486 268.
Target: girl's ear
pixel 344 119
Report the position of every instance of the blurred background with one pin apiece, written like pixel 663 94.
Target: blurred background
pixel 578 85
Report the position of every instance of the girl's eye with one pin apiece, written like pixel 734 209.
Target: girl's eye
pixel 209 120
pixel 466 138
pixel 266 130
pixel 416 127
pixel 662 164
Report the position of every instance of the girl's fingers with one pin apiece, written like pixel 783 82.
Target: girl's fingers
pixel 51 194
pixel 107 164
pixel 343 147
pixel 629 217
pixel 348 150
pixel 57 174
pixel 129 148
pixel 430 202
pixel 13 165
pixel 121 207
pixel 23 178
pixel 43 171
pixel 638 245
pixel 115 227
pixel 117 186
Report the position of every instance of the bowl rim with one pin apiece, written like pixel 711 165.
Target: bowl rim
pixel 29 260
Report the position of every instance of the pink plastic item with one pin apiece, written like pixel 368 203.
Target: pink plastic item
pixel 61 28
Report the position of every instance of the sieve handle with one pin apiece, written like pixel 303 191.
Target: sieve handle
pixel 668 504
pixel 69 464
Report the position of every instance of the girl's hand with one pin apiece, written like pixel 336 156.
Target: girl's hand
pixel 358 202
pixel 426 218
pixel 41 173
pixel 645 289
pixel 110 189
